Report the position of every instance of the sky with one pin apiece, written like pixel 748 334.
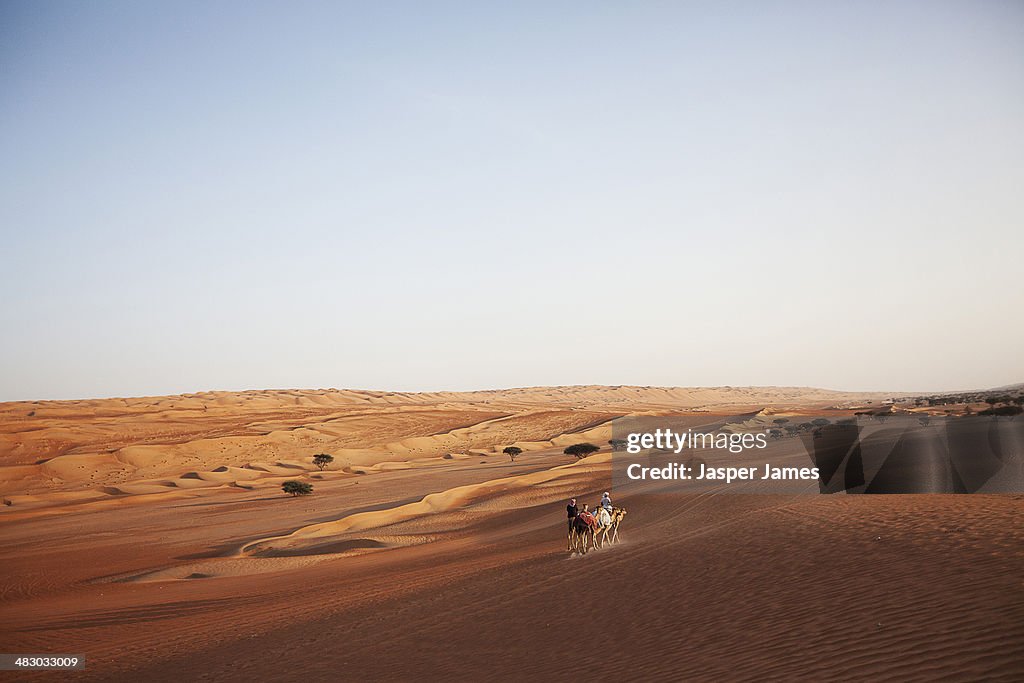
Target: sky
pixel 460 195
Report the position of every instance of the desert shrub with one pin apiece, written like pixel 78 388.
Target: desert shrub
pixel 581 450
pixel 297 488
pixel 512 452
pixel 322 460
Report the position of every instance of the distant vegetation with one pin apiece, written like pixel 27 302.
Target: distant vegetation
pixel 297 488
pixel 322 460
pixel 1014 396
pixel 1003 410
pixel 581 450
pixel 512 452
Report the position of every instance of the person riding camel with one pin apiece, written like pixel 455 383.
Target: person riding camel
pixel 572 511
pixel 588 517
pixel 606 502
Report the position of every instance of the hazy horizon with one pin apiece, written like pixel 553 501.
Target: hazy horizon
pixel 457 197
pixel 895 392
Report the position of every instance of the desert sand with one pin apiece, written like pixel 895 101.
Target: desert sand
pixel 151 536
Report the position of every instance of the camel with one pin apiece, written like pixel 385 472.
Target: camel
pixel 584 537
pixel 617 516
pixel 581 536
pixel 604 523
pixel 609 530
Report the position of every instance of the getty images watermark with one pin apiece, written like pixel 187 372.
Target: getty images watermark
pixel 812 454
pixel 666 440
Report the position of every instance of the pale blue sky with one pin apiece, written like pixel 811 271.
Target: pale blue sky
pixel 466 195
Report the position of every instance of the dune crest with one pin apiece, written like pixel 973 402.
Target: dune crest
pixel 458 498
pixel 222 438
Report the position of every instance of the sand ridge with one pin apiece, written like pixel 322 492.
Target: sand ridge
pixel 423 533
pixel 132 446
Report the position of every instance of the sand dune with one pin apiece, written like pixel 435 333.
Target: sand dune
pixel 462 498
pixel 52 446
pixel 151 535
pixel 709 585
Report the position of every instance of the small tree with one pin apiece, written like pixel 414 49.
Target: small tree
pixel 618 444
pixel 297 488
pixel 780 421
pixel 776 433
pixel 819 421
pixel 322 460
pixel 581 450
pixel 512 452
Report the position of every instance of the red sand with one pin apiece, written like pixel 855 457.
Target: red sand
pixel 706 587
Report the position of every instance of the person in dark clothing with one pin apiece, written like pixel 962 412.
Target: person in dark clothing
pixel 572 511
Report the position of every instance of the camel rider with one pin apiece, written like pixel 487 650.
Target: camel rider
pixel 606 502
pixel 587 516
pixel 572 511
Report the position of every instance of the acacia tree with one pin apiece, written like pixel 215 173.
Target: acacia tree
pixel 297 488
pixel 512 452
pixel 581 450
pixel 322 460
